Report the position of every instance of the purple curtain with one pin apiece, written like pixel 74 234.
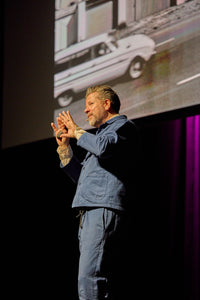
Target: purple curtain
pixel 170 176
pixel 192 209
pixel 178 157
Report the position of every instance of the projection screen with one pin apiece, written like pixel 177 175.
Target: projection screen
pixel 149 53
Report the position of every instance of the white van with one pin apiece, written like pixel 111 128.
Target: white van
pixel 99 60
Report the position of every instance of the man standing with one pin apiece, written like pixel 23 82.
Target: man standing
pixel 105 181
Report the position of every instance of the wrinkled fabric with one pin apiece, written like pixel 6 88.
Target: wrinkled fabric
pixel 103 178
pixel 98 243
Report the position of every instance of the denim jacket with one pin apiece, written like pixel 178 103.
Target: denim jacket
pixel 104 176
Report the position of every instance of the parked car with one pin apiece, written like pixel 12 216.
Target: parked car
pixel 98 60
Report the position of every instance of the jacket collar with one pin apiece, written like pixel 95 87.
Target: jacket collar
pixel 110 121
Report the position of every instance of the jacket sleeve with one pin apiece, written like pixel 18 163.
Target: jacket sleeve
pixel 101 145
pixel 121 142
pixel 72 169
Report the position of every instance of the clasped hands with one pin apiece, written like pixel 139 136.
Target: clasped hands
pixel 67 126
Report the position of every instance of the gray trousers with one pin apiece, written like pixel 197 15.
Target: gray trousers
pixel 99 240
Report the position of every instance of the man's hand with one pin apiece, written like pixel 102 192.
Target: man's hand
pixel 67 120
pixel 62 140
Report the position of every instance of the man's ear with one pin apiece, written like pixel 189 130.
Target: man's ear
pixel 107 104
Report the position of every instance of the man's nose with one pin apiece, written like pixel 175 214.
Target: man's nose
pixel 86 110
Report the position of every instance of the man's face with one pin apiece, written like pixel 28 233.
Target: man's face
pixel 96 110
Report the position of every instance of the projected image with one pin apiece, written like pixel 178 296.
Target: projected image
pixel 99 60
pixel 147 52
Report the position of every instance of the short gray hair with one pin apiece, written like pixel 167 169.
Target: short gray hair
pixel 106 92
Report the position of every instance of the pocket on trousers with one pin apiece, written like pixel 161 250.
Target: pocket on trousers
pixel 108 220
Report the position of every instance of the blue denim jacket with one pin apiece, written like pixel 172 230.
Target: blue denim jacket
pixel 104 175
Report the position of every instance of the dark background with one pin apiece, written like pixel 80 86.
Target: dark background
pixel 28 61
pixel 39 228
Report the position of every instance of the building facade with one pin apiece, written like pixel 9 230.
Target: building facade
pixel 82 19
